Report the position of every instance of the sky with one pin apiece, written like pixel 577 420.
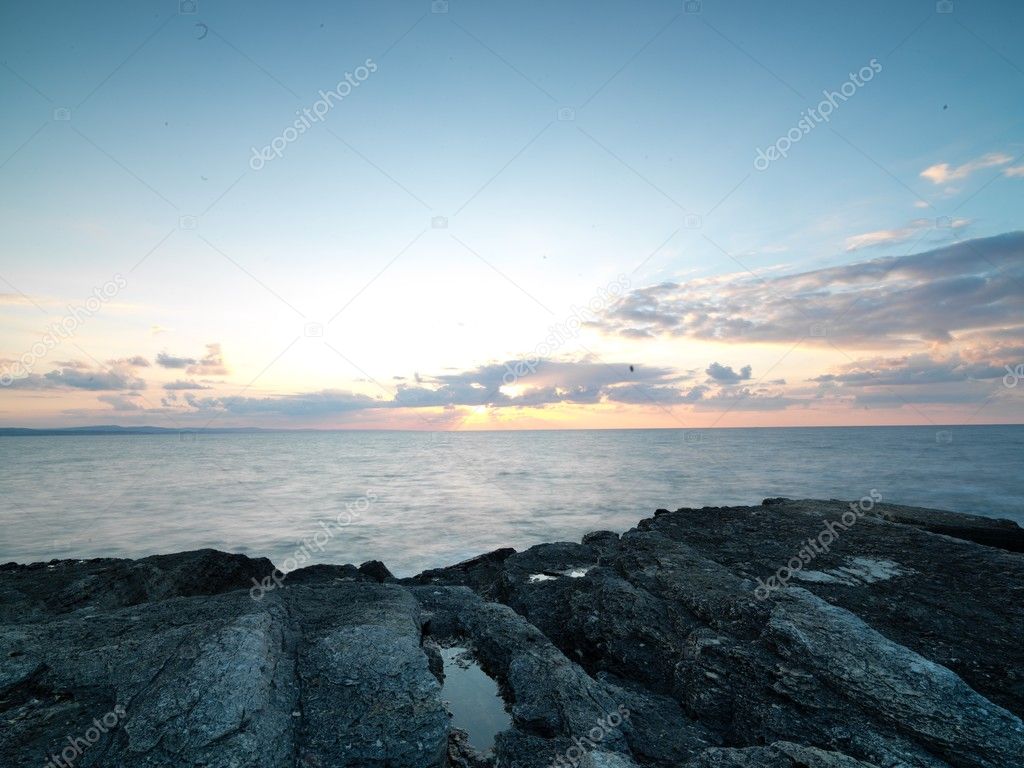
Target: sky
pixel 468 215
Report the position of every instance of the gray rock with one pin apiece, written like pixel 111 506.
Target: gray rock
pixel 896 645
pixel 368 695
pixel 779 755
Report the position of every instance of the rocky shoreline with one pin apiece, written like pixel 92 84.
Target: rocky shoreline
pixel 794 634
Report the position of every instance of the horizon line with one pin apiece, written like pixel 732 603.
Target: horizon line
pixel 99 430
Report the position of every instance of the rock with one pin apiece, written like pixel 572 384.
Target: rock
pixel 551 695
pixel 779 755
pixel 376 570
pixel 368 696
pixel 894 641
pixel 993 532
pixel 605 542
pixel 606 760
pixel 61 586
pixel 324 574
pixel 461 754
pixel 477 572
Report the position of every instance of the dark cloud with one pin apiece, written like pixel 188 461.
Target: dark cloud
pixel 551 382
pixel 169 361
pixel 537 384
pixel 726 375
pixel 636 333
pixel 310 404
pixel 942 394
pixel 210 364
pixel 911 370
pixel 969 375
pixel 646 394
pixel 461 393
pixel 181 384
pixel 930 296
pixel 80 378
pixel 951 378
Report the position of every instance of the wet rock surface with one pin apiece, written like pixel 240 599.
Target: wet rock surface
pixel 735 637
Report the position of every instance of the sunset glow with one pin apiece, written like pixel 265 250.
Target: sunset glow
pixel 559 246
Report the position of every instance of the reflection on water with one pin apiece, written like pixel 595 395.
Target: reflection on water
pixel 446 496
pixel 473 699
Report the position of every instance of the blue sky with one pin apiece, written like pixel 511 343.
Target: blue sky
pixel 565 145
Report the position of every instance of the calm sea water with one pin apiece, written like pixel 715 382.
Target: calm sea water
pixel 443 497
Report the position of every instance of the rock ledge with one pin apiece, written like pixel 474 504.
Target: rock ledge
pixel 795 633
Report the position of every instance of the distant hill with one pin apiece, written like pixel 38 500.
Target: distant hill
pixel 113 429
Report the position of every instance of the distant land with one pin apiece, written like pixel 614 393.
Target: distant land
pixel 113 429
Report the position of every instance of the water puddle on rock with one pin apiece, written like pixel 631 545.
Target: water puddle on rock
pixel 473 699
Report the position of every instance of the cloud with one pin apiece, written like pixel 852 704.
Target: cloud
pixel 942 173
pixel 583 382
pixel 911 370
pixel 182 384
pixel 951 378
pixel 543 382
pixel 650 394
pixel 725 373
pixel 137 361
pixel 80 378
pixel 900 397
pixel 899 235
pixel 637 333
pixel 511 384
pixel 747 399
pixel 127 402
pixel 1016 172
pixel 169 361
pixel 970 375
pixel 309 404
pixel 888 301
pixel 211 364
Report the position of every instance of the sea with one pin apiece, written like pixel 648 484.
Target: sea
pixel 419 500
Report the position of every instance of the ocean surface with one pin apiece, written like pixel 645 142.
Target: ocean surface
pixel 418 500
